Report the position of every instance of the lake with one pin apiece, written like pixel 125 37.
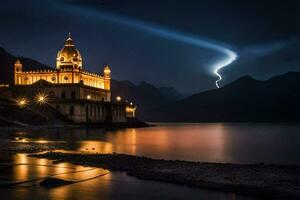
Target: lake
pixel 217 142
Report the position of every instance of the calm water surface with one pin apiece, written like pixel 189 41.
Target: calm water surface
pixel 237 143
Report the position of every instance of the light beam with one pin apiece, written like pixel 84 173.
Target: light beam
pixel 166 33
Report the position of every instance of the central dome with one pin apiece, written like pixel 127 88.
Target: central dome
pixel 69 56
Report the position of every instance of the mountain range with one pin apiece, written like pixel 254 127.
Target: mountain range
pixel 144 95
pixel 244 100
pixel 7 61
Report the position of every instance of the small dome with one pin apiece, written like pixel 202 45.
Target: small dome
pixel 107 69
pixel 69 55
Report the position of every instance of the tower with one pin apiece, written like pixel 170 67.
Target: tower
pixel 18 67
pixel 107 77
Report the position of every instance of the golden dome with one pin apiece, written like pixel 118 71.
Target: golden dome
pixel 107 69
pixel 69 56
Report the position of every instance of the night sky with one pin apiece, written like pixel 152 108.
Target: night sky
pixel 163 42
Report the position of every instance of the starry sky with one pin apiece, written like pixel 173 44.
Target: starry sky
pixel 164 42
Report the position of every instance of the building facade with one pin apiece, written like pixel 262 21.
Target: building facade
pixel 81 96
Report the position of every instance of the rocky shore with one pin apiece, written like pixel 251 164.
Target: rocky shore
pixel 267 181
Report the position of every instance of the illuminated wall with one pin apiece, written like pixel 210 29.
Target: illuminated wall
pixel 62 76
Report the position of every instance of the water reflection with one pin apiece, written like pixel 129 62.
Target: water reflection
pixel 111 186
pixel 21 171
pixel 238 143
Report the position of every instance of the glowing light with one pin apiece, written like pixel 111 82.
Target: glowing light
pixel 42 141
pixel 88 96
pixel 107 69
pixel 166 33
pixel 118 98
pixel 21 102
pixel 131 103
pixel 4 85
pixel 130 111
pixel 41 98
pixel 218 66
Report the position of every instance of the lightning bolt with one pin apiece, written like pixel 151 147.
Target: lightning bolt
pixel 231 57
pixel 166 33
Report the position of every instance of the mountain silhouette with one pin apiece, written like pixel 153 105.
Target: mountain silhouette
pixel 243 100
pixel 146 96
pixel 7 61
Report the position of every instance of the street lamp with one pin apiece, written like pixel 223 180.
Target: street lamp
pixel 22 102
pixel 41 98
pixel 118 98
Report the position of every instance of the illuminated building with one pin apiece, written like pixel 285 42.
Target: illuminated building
pixel 68 70
pixel 79 95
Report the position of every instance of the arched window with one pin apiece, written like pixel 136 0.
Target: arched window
pixel 62 59
pixel 63 95
pixel 26 80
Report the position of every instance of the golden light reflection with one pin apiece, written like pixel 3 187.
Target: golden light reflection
pixel 124 141
pixel 42 141
pixel 42 170
pixel 61 168
pixel 192 142
pixel 21 171
pixel 96 146
pixel 133 141
pixel 90 185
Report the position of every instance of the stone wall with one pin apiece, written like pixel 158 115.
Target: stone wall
pixel 92 112
pixel 77 102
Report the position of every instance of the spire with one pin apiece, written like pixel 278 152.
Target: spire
pixel 18 61
pixel 69 41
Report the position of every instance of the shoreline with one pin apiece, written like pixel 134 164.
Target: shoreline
pixel 267 181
